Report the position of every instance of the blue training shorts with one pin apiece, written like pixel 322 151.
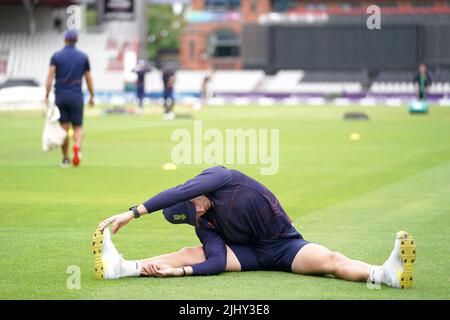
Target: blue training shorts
pixel 276 255
pixel 71 109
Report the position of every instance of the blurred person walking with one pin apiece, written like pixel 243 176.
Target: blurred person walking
pixel 141 70
pixel 67 68
pixel 206 93
pixel 168 79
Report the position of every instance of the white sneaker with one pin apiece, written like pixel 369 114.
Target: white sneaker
pixel 169 116
pixel 399 268
pixel 65 163
pixel 107 261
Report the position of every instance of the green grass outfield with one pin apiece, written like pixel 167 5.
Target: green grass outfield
pixel 351 196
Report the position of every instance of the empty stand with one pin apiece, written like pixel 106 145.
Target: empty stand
pixel 402 82
pixel 29 57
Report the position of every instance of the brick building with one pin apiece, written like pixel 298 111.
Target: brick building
pixel 213 40
pixel 242 34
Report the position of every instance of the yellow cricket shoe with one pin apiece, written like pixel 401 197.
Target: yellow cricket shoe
pixel 399 268
pixel 97 248
pixel 407 248
pixel 107 260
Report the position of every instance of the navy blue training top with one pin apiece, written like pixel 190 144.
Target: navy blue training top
pixel 167 75
pixel 243 211
pixel 141 72
pixel 71 65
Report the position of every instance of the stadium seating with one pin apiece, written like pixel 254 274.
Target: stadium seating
pixel 329 87
pixel 321 82
pixel 236 81
pixel 189 81
pixel 29 57
pixel 298 82
pixel 402 82
pixel 285 81
pixel 333 82
pixel 222 81
pixel 359 76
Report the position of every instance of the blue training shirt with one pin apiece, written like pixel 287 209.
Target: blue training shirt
pixel 71 65
pixel 243 211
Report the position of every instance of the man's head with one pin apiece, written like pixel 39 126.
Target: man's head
pixel 187 212
pixel 422 68
pixel 70 37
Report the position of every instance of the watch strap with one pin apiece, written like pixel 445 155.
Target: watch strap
pixel 135 212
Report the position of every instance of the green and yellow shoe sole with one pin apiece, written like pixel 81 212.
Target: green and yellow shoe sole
pixel 408 254
pixel 97 245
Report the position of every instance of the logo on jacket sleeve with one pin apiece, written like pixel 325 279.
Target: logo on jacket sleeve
pixel 179 217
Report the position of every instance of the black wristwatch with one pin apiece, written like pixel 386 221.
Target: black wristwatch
pixel 135 212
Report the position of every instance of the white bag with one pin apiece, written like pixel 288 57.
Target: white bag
pixel 53 135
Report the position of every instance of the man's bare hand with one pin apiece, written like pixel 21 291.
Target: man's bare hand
pixel 46 101
pixel 150 269
pixel 117 221
pixel 202 204
pixel 165 271
pixel 91 102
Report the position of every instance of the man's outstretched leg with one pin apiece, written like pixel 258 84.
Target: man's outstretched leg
pixel 109 264
pixel 182 258
pixel 396 272
pixel 316 259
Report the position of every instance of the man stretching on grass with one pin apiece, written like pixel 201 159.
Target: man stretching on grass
pixel 242 227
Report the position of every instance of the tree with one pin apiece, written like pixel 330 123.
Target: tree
pixel 164 29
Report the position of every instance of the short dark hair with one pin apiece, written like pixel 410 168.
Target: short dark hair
pixel 71 41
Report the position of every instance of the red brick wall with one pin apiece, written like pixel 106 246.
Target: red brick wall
pixel 195 57
pixel 252 9
pixel 198 4
pixel 194 40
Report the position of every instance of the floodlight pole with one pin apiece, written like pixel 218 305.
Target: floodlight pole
pixel 29 8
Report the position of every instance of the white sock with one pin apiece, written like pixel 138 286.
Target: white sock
pixel 377 275
pixel 130 268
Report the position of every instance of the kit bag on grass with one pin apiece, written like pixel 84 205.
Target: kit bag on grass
pixel 53 135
